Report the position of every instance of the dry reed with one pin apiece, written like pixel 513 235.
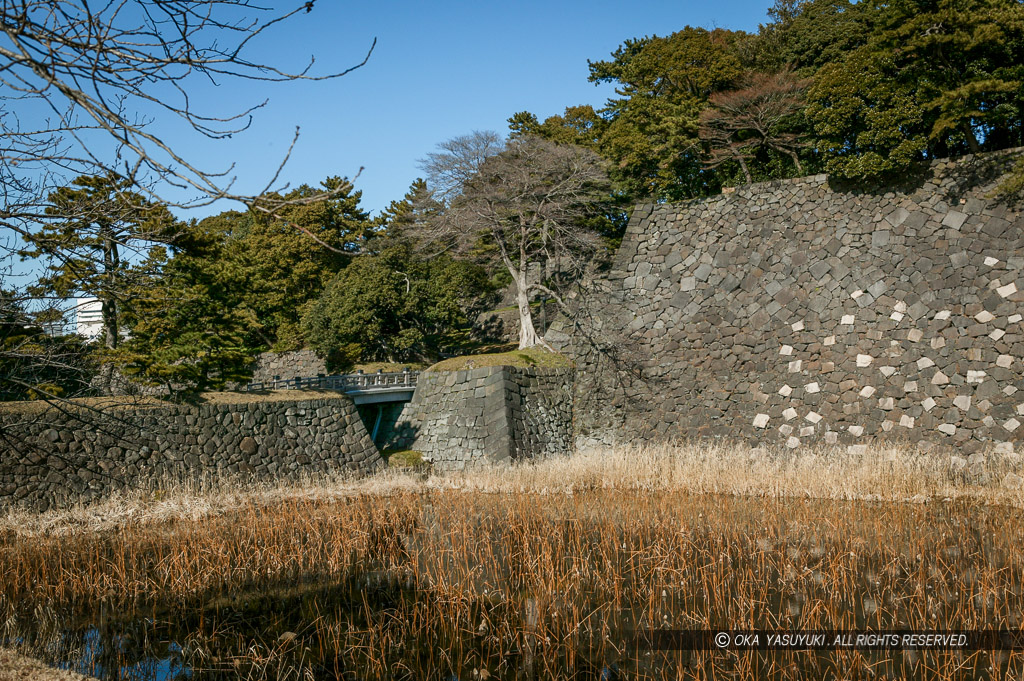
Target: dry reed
pixel 540 571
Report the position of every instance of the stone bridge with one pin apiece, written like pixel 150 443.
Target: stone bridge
pixel 387 392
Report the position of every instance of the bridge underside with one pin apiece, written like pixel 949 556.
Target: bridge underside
pixel 381 395
pixel 380 411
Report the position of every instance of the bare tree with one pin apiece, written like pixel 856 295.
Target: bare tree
pixel 529 203
pixel 457 160
pixel 89 80
pixel 82 84
pixel 738 123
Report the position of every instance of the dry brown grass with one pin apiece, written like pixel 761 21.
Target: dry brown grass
pixel 881 472
pixel 543 571
pixel 100 404
pixel 14 667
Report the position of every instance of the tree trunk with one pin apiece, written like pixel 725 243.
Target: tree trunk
pixel 972 140
pixel 527 333
pixel 746 171
pixel 111 263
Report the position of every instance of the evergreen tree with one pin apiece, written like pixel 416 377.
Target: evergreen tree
pixel 189 327
pixel 935 78
pixel 393 305
pixel 287 261
pixel 93 227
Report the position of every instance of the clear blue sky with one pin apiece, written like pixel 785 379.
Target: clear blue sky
pixel 439 69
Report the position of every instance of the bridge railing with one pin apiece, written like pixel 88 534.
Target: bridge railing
pixel 358 382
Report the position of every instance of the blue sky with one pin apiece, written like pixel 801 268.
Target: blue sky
pixel 439 69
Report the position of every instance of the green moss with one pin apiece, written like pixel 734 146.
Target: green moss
pixel 530 357
pixel 404 458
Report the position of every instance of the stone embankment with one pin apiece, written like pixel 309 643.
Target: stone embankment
pixel 801 312
pixel 52 458
pixel 463 418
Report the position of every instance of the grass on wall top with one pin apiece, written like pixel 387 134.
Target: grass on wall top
pixel 536 357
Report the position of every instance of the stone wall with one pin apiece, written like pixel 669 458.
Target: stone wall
pixel 51 459
pixel 799 311
pixel 540 406
pixel 287 365
pixel 461 418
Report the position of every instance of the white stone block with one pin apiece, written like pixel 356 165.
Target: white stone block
pixel 786 429
pixel 786 350
pixel 943 314
pixel 1009 390
pixel 831 437
pixel 1008 290
pixel 886 403
pixel 940 378
pixel 1020 409
pixel 857 450
pixel 847 320
pixel 900 306
pixel 938 343
pixel 947 428
pixel 1011 425
pixel 785 391
pixel 807 431
pixel 975 376
pixel 867 391
pixel 856 431
pixel 795 365
pixel 991 262
pixel 761 421
pixel 856 294
pixel 813 417
pixel 896 316
pixel 792 443
pixel 789 414
pixel 997 334
pixel 812 388
pixel 864 360
pixel 910 387
pixel 887 371
pixel 907 421
pixel 829 340
pixel 1005 361
pixel 962 402
pixel 928 404
pixel 1014 318
pixel 888 425
pixel 984 317
pixel 924 363
pixel 798 326
pixel 989 421
pixel 915 335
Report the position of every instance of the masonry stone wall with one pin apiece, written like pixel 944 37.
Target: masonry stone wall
pixel 540 407
pixel 799 311
pixel 464 418
pixel 287 365
pixel 52 459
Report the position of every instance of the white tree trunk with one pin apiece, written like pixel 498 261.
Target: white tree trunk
pixel 527 333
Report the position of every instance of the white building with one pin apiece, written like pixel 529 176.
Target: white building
pixel 89 318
